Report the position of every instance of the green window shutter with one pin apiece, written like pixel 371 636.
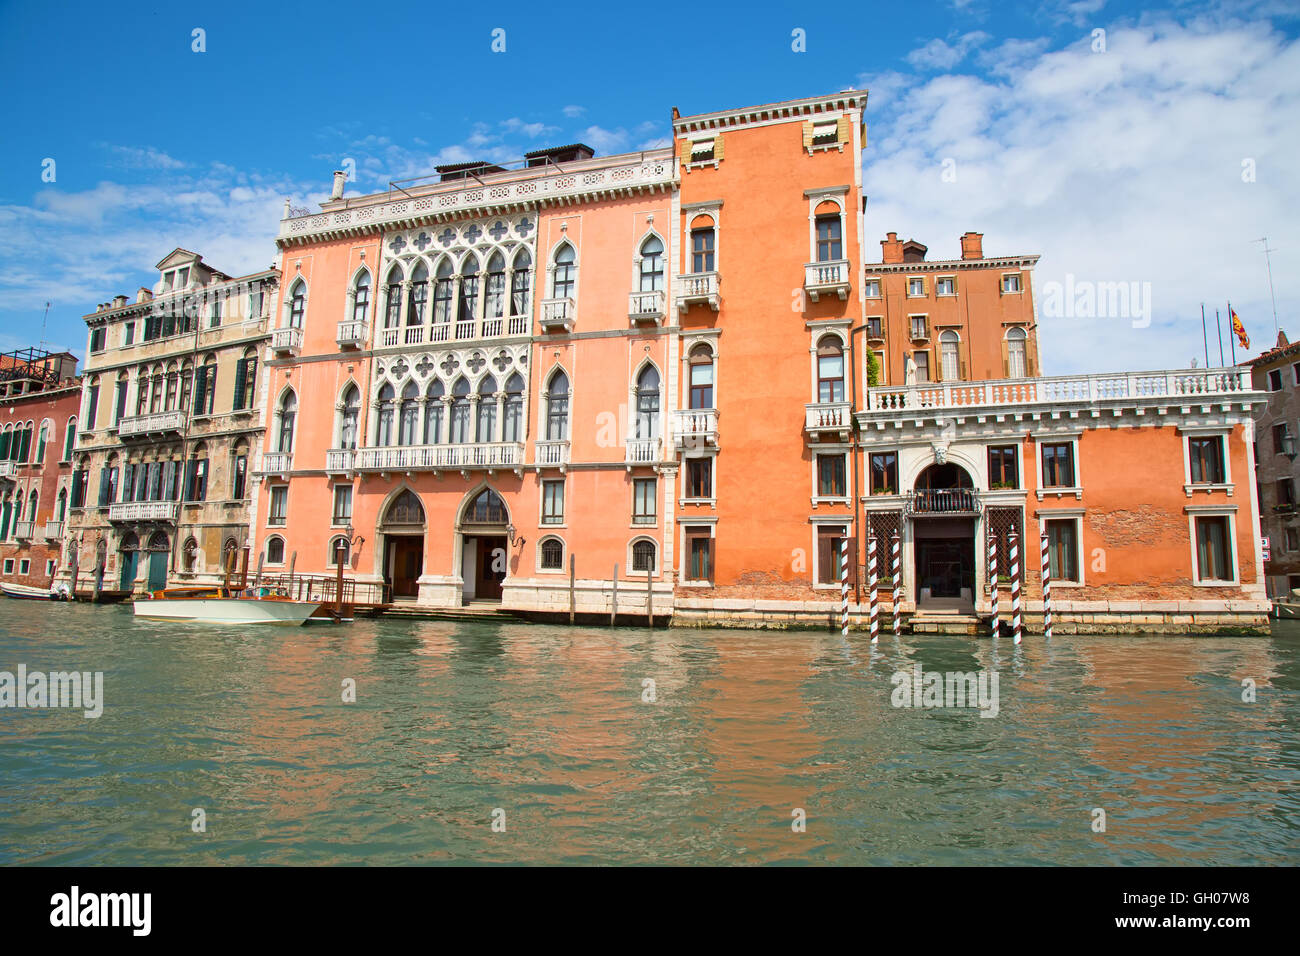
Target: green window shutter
pixel 239 383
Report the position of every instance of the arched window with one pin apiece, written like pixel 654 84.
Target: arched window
pixel 297 304
pixel 829 240
pixel 338 551
pixel 702 245
pixel 387 397
pixel 245 380
pixel 196 475
pixel 513 425
pixel 173 382
pixel 1016 353
pixel 949 363
pixel 349 417
pixel 647 403
pixel 652 264
pixel 701 377
pixel 275 549
pixel 393 302
pixel 190 555
pixel 46 428
pixel 460 425
pixel 288 415
pixel 486 428
pixel 445 278
pixel 643 556
pixel 155 389
pixel 70 438
pixel 830 370
pixel 205 385
pixel 406 509
pixel 361 300
pixel 495 306
pixel 468 289
pixel 557 408
pixel 419 295
pixel 5 514
pixel 408 421
pixel 486 508
pixel 6 442
pixel 187 384
pixel 565 274
pixel 120 395
pixel 433 412
pixel 32 500
pixel 239 470
pixel 142 390
pixel 61 505
pixel 520 280
pixel 552 554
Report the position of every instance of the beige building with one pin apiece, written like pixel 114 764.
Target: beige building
pixel 1277 436
pixel 171 421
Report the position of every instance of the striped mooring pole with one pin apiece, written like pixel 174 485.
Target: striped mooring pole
pixel 1047 590
pixel 896 569
pixel 1013 540
pixel 872 582
pixel 844 586
pixel 993 578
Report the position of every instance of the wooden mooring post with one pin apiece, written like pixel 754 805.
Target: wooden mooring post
pixel 650 596
pixel 573 599
pixel 613 604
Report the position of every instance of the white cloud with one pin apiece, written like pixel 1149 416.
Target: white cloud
pixel 573 112
pixel 141 157
pixel 605 140
pixel 1118 166
pixel 941 55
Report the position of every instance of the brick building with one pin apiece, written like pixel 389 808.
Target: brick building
pixel 1277 431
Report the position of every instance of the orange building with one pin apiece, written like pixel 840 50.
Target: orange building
pixel 676 366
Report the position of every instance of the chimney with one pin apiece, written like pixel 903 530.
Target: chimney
pixel 144 294
pixel 972 245
pixel 891 248
pixel 119 301
pixel 340 177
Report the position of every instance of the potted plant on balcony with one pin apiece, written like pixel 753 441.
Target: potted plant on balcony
pixel 886 490
pixel 1002 486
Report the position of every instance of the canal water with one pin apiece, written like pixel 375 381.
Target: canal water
pixel 553 734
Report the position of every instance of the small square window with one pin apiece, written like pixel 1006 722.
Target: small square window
pixel 9 565
pixel 1206 460
pixel 25 566
pixel 1011 283
pixel 945 285
pixel 871 288
pixel 884 473
pixel 1275 380
pixel 1058 465
pixel 699 478
pixel 702 151
pixel 826 133
pixel 875 327
pixel 1004 471
pixel 915 288
pixel 831 480
pixel 920 328
pixel 1292 539
pixel 1285 491
pixel 1281 438
pixel 49 569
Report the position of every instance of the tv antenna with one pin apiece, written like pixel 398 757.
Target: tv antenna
pixel 1268 262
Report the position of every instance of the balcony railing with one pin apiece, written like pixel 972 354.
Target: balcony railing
pixel 8 469
pixel 828 417
pixel 552 453
pixel 157 423
pixel 352 334
pixel 143 511
pixel 646 307
pixel 459 331
pixel 943 501
pixel 277 463
pixel 286 341
pixel 1176 386
pixel 23 529
pixel 54 530
pixel 340 461
pixel 695 427
pixel 488 455
pixel 698 288
pixel 558 314
pixel 826 278
pixel 642 451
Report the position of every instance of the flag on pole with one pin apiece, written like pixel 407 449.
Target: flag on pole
pixel 1238 329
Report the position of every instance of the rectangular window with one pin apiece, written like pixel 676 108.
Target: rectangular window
pixel 1213 549
pixel 239 478
pixel 945 285
pixel 699 478
pixel 829 248
pixel 919 327
pixel 884 473
pixel 915 288
pixel 1206 456
pixel 49 569
pixel 1004 471
pixel 699 554
pixel 1275 380
pixel 871 288
pixel 1292 539
pixel 643 500
pixel 9 565
pixel 702 151
pixel 1011 283
pixel 552 502
pixel 1285 491
pixel 214 317
pixel 922 359
pixel 342 504
pixel 702 259
pixel 1295 373
pixel 279 505
pixel 97 338
pixel 1063 548
pixel 129 333
pixel 1058 465
pixel 1280 436
pixel 25 566
pixel 826 133
pixel 829 554
pixel 831 481
pixel 875 327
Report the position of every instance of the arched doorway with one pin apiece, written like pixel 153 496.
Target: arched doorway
pixel 129 551
pixel 403 536
pixel 159 550
pixel 944 506
pixel 484 546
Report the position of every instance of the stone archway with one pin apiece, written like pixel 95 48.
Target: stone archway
pixel 484 534
pixel 944 508
pixel 401 531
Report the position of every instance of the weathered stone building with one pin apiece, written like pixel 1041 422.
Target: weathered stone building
pixel 1277 425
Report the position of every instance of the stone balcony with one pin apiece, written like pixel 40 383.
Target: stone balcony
pixel 698 288
pixel 277 463
pixel 642 452
pixel 647 308
pixel 351 334
pixel 340 461
pixel 558 315
pixel 479 456
pixel 943 501
pixel 826 278
pixel 23 530
pixel 552 454
pixel 142 511
pixel 286 341
pixel 53 530
pixel 695 427
pixel 155 424
pixel 8 470
pixel 459 331
pixel 829 418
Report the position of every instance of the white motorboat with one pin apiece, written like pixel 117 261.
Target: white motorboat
pixel 25 592
pixel 208 607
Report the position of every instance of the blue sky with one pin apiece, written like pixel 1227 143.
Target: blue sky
pixel 1154 160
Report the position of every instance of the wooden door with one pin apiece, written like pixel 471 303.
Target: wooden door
pixel 492 556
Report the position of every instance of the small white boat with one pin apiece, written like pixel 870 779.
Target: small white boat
pixel 225 610
pixel 25 592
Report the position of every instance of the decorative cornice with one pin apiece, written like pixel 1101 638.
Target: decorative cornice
pixel 768 112
pixel 945 265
